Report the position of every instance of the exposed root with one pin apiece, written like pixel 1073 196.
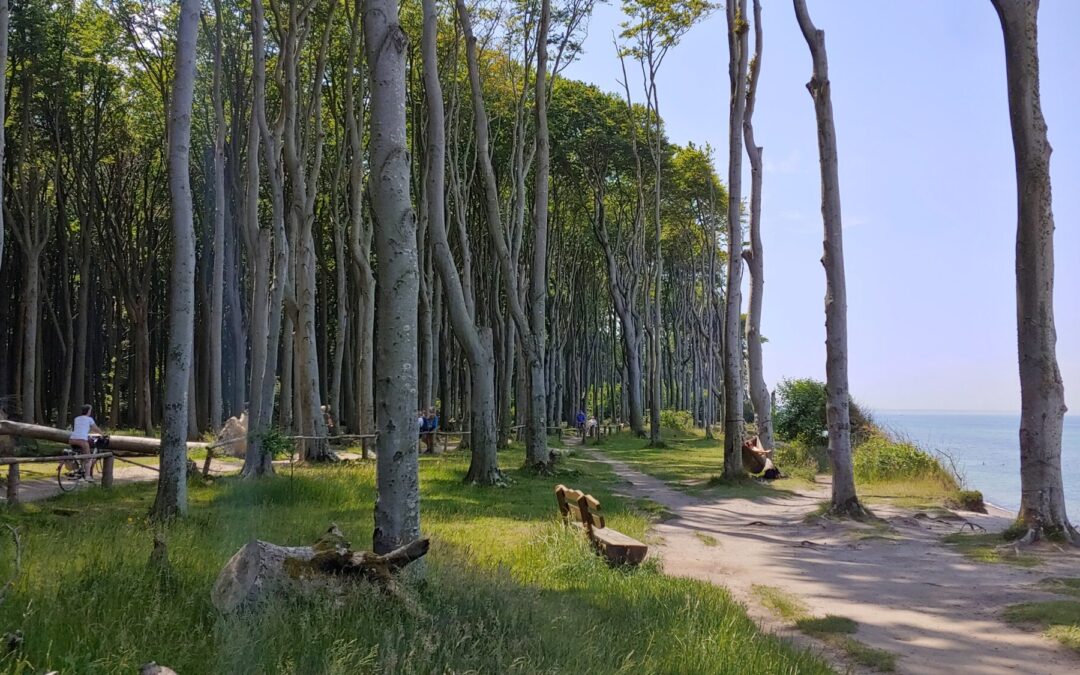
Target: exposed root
pixel 491 477
pixel 852 509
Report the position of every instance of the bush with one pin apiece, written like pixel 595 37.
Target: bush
pixel 799 460
pixel 800 414
pixel 881 458
pixel 677 420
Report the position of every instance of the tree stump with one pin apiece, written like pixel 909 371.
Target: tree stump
pixel 261 569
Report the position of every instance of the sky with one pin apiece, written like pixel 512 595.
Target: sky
pixel 927 182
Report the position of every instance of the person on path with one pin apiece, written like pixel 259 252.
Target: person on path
pixel 81 428
pixel 581 422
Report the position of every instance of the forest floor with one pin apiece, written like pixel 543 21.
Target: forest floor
pixel 883 595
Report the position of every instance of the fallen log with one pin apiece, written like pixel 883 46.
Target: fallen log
pixel 260 569
pixel 137 444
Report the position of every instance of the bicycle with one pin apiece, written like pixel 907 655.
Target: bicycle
pixel 71 473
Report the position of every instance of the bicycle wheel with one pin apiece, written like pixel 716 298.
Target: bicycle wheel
pixel 68 475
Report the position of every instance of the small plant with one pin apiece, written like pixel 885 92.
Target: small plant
pixel 676 420
pixel 276 444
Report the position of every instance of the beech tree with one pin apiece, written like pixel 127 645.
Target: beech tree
pixel 171 498
pixel 1042 392
pixel 733 361
pixel 397 506
pixel 844 499
pixel 755 256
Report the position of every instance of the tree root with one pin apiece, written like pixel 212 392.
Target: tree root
pixel 852 509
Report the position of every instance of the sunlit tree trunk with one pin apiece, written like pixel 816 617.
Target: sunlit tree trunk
pixel 171 498
pixel 733 356
pixel 397 505
pixel 217 284
pixel 475 340
pixel 844 499
pixel 1042 392
pixel 755 257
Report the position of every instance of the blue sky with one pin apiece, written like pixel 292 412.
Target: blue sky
pixel 927 185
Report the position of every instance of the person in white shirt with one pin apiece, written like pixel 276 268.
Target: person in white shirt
pixel 81 428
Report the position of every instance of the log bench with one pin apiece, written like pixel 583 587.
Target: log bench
pixel 583 510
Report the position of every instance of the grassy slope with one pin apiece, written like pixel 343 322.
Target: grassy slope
pixel 508 590
pixel 691 463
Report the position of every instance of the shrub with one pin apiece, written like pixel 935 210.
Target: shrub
pixel 881 458
pixel 677 420
pixel 800 414
pixel 799 460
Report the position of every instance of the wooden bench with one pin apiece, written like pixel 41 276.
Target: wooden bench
pixel 583 510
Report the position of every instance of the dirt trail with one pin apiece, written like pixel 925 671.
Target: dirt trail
pixel 37 487
pixel 910 594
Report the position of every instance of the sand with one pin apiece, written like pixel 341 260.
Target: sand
pixel 911 595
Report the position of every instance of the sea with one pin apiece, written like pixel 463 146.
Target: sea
pixel 986 448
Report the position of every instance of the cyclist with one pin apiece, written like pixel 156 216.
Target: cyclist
pixel 80 432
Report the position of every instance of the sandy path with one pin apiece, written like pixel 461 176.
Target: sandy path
pixel 38 488
pixel 915 598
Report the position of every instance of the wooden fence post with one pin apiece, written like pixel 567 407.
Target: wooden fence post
pixel 13 484
pixel 107 472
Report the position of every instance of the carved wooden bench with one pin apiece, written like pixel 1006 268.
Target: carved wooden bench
pixel 582 510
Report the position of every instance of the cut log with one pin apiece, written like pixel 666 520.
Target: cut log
pixel 137 444
pixel 261 569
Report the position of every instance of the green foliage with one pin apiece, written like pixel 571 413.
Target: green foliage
pixel 799 460
pixel 276 443
pixel 882 459
pixel 676 420
pixel 800 414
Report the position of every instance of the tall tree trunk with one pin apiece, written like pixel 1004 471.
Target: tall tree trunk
pixel 844 499
pixel 31 320
pixel 733 357
pixel 171 498
pixel 1042 392
pixel 4 19
pixel 755 257
pixel 474 339
pixel 217 284
pixel 536 452
pixel 397 505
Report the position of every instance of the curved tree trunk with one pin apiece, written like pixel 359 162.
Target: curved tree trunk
pixel 397 507
pixel 171 498
pixel 475 340
pixel 755 257
pixel 733 357
pixel 844 499
pixel 1042 392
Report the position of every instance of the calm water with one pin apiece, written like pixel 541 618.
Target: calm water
pixel 987 449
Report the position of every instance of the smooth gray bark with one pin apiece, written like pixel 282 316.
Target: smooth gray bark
pixel 733 357
pixel 171 498
pixel 844 499
pixel 536 452
pixel 755 257
pixel 217 290
pixel 475 340
pixel 1042 392
pixel 397 505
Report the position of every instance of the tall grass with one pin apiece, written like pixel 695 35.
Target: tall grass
pixel 508 588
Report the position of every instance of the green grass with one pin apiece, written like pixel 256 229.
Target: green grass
pixel 508 588
pixel 691 463
pixel 989 548
pixel 1061 585
pixel 833 630
pixel 1060 619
